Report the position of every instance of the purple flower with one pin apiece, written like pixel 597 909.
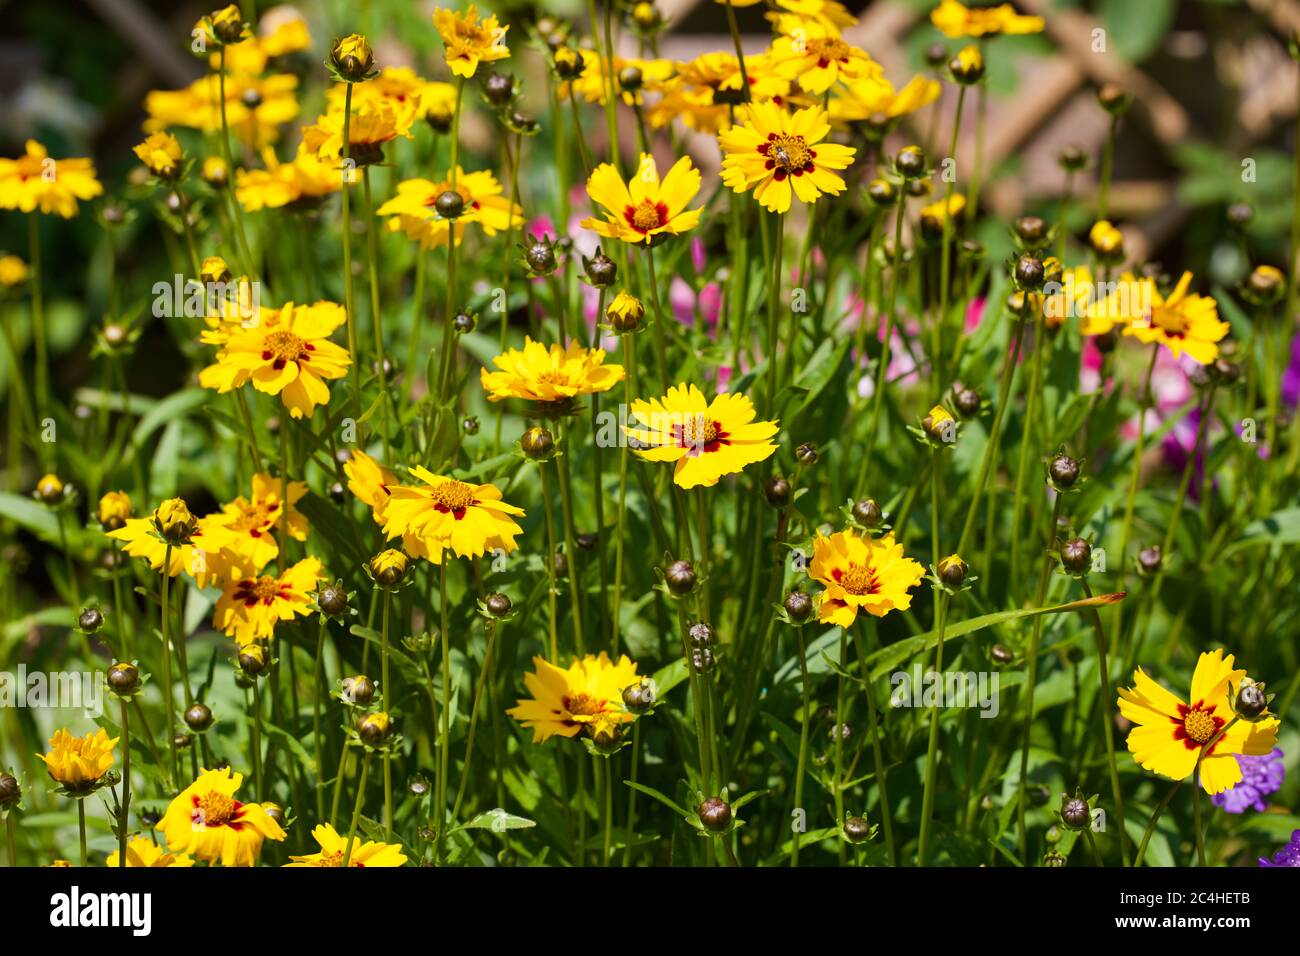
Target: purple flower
pixel 1260 776
pixel 1289 855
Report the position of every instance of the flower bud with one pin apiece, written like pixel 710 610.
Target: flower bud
pixel 1265 285
pixel 910 162
pixel 227 24
pixel 537 444
pixel 569 63
pixel 1001 654
pixel 10 792
pixel 90 620
pixel 123 677
pixel 498 604
pixel 215 173
pixel 702 634
pixel 967 402
pixel 499 88
pixel 1106 241
pixel 702 660
pixel 1029 273
pixel 936 55
pixel 882 192
pixel 798 607
pixel 358 690
pixel 602 271
pixel 450 204
pixel 680 577
pixel 252 659
pixel 49 490
pixel 777 491
pixel 1076 556
pixel 967 67
pixel 174 521
pixel 1072 159
pixel 1241 214
pixel 539 256
pixel 857 830
pixel 715 814
pixel 464 323
pixel 352 58
pixel 1075 813
pixel 1150 559
pixel 198 717
pixel 867 513
pixel 1064 471
pixel 332 599
pixel 1032 231
pixel 275 812
pixel 1250 702
pixel 374 729
pixel 806 454
pixel 939 425
pixel 1114 99
pixel 388 568
pixel 630 79
pixel 625 313
pixel 952 570
pixel 639 697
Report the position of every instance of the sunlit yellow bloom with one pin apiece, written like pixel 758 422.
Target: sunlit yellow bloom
pixel 414 212
pixel 13 271
pixel 333 848
pixel 143 852
pixel 287 354
pixel 303 182
pixel 1170 735
pixel 775 154
pixel 1182 321
pixel 1073 297
pixel 206 821
pixel 861 573
pixel 705 440
pixel 255 521
pixel 557 374
pixel 625 312
pixel 955 19
pixel 875 99
pixel 376 120
pixel 36 180
pixel 1106 240
pixel 564 701
pixel 934 215
pixel 644 207
pixel 700 92
pixel 249 609
pixel 79 763
pixel 161 154
pixel 789 16
pixel 256 107
pixel 818 59
pixel 369 481
pixel 446 514
pixel 469 40
pixel 289 34
pixel 208 556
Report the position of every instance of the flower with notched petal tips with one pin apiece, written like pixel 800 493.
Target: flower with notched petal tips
pixel 955 19
pixel 588 694
pixel 644 207
pixel 249 609
pixel 144 852
pixel 1170 735
pixel 442 514
pixel 861 573
pixel 779 155
pixel 161 154
pixel 78 764
pixel 469 40
pixel 206 821
pixel 37 181
pixel 558 374
pixel 333 850
pixel 415 210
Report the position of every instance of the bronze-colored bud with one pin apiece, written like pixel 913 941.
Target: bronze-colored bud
pixel 857 830
pixel 537 443
pixel 967 402
pixel 198 717
pixel 806 454
pixel 777 492
pixel 639 697
pixel 1001 654
pixel 359 690
pixel 1064 470
pixel 910 162
pixel 715 814
pixel 10 792
pixel 1114 99
pixel 1076 555
pixel 798 606
pixel 680 577
pixel 450 204
pixel 1032 231
pixel 867 513
pixel 90 620
pixel 374 729
pixel 332 599
pixel 882 192
pixel 1030 273
pixel 498 604
pixel 123 677
pixel 499 88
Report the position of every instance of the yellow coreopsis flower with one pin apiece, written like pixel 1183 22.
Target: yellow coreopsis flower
pixel 207 554
pixel 143 852
pixel 161 154
pixel 333 848
pixel 254 521
pixel 1170 735
pixel 206 821
pixel 775 154
pixel 875 98
pixel 78 764
pixel 38 181
pixel 955 19
pixel 375 121
pixel 791 15
pixel 644 207
pixel 1183 322
pixel 302 183
pixel 593 84
pixel 860 573
pixel 469 40
pixel 287 354
pixel 586 695
pixel 704 89
pixel 819 58
pixel 249 609
pixel 444 514
pixel 256 107
pixel 705 440
pixel 558 374
pixel 1074 297
pixel 13 271
pixel 369 481
pixel 413 209
pixel 934 215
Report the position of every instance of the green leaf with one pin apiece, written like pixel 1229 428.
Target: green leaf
pixel 1136 28
pixel 661 797
pixel 32 515
pixel 170 410
pixel 496 820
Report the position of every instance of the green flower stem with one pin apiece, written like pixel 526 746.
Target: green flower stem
pixel 607 811
pixel 740 53
pixel 1151 824
pixel 1026 442
pixel 772 375
pixel 630 831
pixel 1031 680
pixel 945 254
pixel 1196 789
pixel 388 696
pixel 9 837
pixel 250 267
pixel 124 816
pixel 932 749
pixel 605 57
pixel 376 319
pixel 838 795
pixel 661 348
pixel 1107 163
pixel 878 396
pixel 356 811
pixel 167 661
pixel 1126 529
pixel 81 827
pixel 257 736
pixel 485 679
pixel 621 521
pixel 697 700
pixel 349 299
pixel 553 587
pixel 878 760
pixel 1092 845
pixel 802 763
pixel 151 743
pixel 1103 668
pixel 570 549
pixel 39 339
pixel 338 783
pixel 579 138
pixel 444 756
pixel 318 685
pixel 988 463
